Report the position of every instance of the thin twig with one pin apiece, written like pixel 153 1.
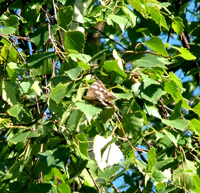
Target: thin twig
pixel 93 180
pixel 109 38
pixel 150 146
pixel 19 37
pixel 104 35
pixel 1 35
pixel 184 41
pixel 114 6
pixel 37 104
pixel 122 128
pixel 16 127
pixel 37 119
pixel 169 34
pixel 46 12
pixel 141 150
pixel 56 20
pixel 116 189
pixel 41 173
pixel 147 52
pixel 165 113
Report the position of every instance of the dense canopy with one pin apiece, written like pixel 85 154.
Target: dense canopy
pixel 139 130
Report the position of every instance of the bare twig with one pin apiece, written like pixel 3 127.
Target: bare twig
pixel 1 35
pixel 41 173
pixel 146 52
pixel 116 189
pixel 165 112
pixel 37 119
pixel 122 128
pixel 56 20
pixel 93 180
pixel 184 41
pixel 109 38
pixel 37 104
pixel 105 35
pixel 169 34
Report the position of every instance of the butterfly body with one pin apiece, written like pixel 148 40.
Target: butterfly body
pixel 98 94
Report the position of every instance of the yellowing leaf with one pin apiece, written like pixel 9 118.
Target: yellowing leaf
pixel 186 54
pixel 177 25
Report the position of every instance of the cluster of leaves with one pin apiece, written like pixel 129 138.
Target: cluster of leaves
pixel 50 52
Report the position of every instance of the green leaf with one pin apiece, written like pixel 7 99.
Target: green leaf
pixel 166 161
pixel 12 21
pixel 74 120
pixel 157 17
pixel 45 68
pixel 57 157
pixel 74 73
pixel 7 30
pixel 196 181
pixel 194 125
pixel 180 124
pixel 148 81
pixel 137 4
pixel 59 79
pixel 43 188
pixel 15 110
pixel 58 174
pixel 65 16
pixel 80 57
pixel 149 61
pixel 74 40
pixel 130 15
pixel 11 73
pixel 133 126
pixel 177 25
pixel 173 77
pixel 152 93
pixel 153 111
pixel 21 137
pixel 64 188
pixel 151 157
pixel 186 54
pixel 157 46
pixel 196 109
pixel 60 91
pixel 121 21
pixel 8 93
pixel 183 176
pixel 171 88
pixel 40 36
pixel 82 143
pixel 109 172
pixel 126 96
pixel 89 110
pixel 158 176
pixel 113 66
pixel 172 135
pixel 37 59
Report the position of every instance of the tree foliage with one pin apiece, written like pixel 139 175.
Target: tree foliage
pixel 53 140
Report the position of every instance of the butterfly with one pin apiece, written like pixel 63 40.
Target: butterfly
pixel 99 95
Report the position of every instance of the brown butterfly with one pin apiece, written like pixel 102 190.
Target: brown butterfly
pixel 99 95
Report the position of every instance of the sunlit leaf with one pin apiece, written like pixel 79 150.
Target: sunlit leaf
pixel 157 46
pixel 112 154
pixel 177 25
pixel 179 124
pixel 89 110
pixel 186 54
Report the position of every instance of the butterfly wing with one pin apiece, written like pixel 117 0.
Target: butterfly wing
pixel 98 94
